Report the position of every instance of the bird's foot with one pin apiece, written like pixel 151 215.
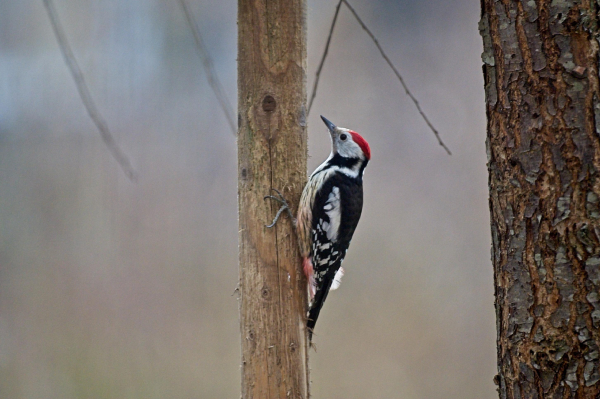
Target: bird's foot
pixel 284 207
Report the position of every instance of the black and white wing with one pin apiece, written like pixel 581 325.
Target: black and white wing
pixel 336 211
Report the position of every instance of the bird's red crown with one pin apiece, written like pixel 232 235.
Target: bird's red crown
pixel 362 143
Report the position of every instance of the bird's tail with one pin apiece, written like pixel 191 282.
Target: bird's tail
pixel 316 305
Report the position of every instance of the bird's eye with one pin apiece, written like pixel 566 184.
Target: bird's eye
pixel 343 137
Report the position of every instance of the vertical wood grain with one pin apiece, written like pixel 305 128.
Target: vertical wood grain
pixel 272 153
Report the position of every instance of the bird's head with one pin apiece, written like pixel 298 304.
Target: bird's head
pixel 347 143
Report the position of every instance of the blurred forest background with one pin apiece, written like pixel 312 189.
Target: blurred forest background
pixel 114 289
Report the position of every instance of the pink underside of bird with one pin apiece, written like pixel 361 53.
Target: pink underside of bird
pixel 309 273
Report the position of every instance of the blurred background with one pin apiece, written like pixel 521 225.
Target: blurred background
pixel 114 289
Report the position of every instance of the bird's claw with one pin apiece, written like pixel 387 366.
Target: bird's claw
pixel 279 197
pixel 284 207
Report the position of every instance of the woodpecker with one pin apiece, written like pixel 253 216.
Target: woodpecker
pixel 330 207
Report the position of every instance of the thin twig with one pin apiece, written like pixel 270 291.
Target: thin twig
pixel 85 95
pixel 318 75
pixel 209 68
pixel 384 55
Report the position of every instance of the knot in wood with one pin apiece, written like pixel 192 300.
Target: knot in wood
pixel 269 104
pixel 265 293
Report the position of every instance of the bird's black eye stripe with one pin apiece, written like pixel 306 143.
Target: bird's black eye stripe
pixel 343 137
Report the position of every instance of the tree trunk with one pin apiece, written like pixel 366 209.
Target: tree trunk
pixel 272 153
pixel 543 108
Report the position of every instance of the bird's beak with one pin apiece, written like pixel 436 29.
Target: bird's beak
pixel 330 125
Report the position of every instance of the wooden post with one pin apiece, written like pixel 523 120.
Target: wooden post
pixel 272 152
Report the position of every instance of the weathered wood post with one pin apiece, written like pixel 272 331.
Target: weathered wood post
pixel 272 152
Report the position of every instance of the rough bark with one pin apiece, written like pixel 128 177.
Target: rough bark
pixel 272 153
pixel 542 101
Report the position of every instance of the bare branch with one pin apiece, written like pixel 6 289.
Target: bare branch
pixel 318 75
pixel 384 55
pixel 85 95
pixel 209 68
